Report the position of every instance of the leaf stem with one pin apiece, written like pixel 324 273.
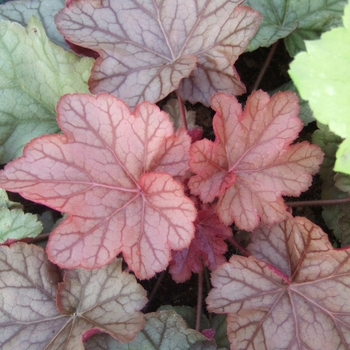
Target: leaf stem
pixel 156 286
pixel 199 301
pixel 182 111
pixel 239 247
pixel 264 68
pixel 40 238
pixel 319 202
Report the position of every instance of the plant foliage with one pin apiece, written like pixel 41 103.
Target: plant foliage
pixel 292 292
pixel 322 76
pixel 39 311
pixel 141 188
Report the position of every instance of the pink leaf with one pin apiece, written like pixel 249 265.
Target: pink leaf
pixel 297 298
pixel 105 299
pixel 206 249
pixel 252 164
pixel 111 172
pixel 147 48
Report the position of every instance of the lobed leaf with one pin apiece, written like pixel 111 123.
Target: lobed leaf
pixel 16 225
pixel 291 294
pixel 105 300
pixel 149 48
pixel 322 77
pixel 305 113
pixel 111 172
pixel 251 164
pixel 295 21
pixel 30 87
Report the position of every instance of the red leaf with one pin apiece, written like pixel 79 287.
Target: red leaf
pixel 206 249
pixel 111 172
pixel 160 44
pixel 297 298
pixel 252 164
pixel 104 299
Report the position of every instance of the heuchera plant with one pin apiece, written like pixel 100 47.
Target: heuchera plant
pixel 135 190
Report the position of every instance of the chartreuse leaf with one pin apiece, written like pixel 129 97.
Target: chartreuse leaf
pixel 150 48
pixel 112 172
pixel 34 73
pixel 88 301
pixel 292 293
pixel 322 76
pixel 14 223
pixel 21 10
pixel 295 21
pixel 164 330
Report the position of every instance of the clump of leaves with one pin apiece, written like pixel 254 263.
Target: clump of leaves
pixel 137 190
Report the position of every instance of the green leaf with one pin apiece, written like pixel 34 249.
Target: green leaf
pixel 188 314
pixel 164 330
pixel 295 21
pixel 14 224
pixel 220 325
pixel 20 11
pixel 6 203
pixel 322 76
pixel 34 73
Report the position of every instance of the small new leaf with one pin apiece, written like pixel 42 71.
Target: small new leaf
pixel 206 248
